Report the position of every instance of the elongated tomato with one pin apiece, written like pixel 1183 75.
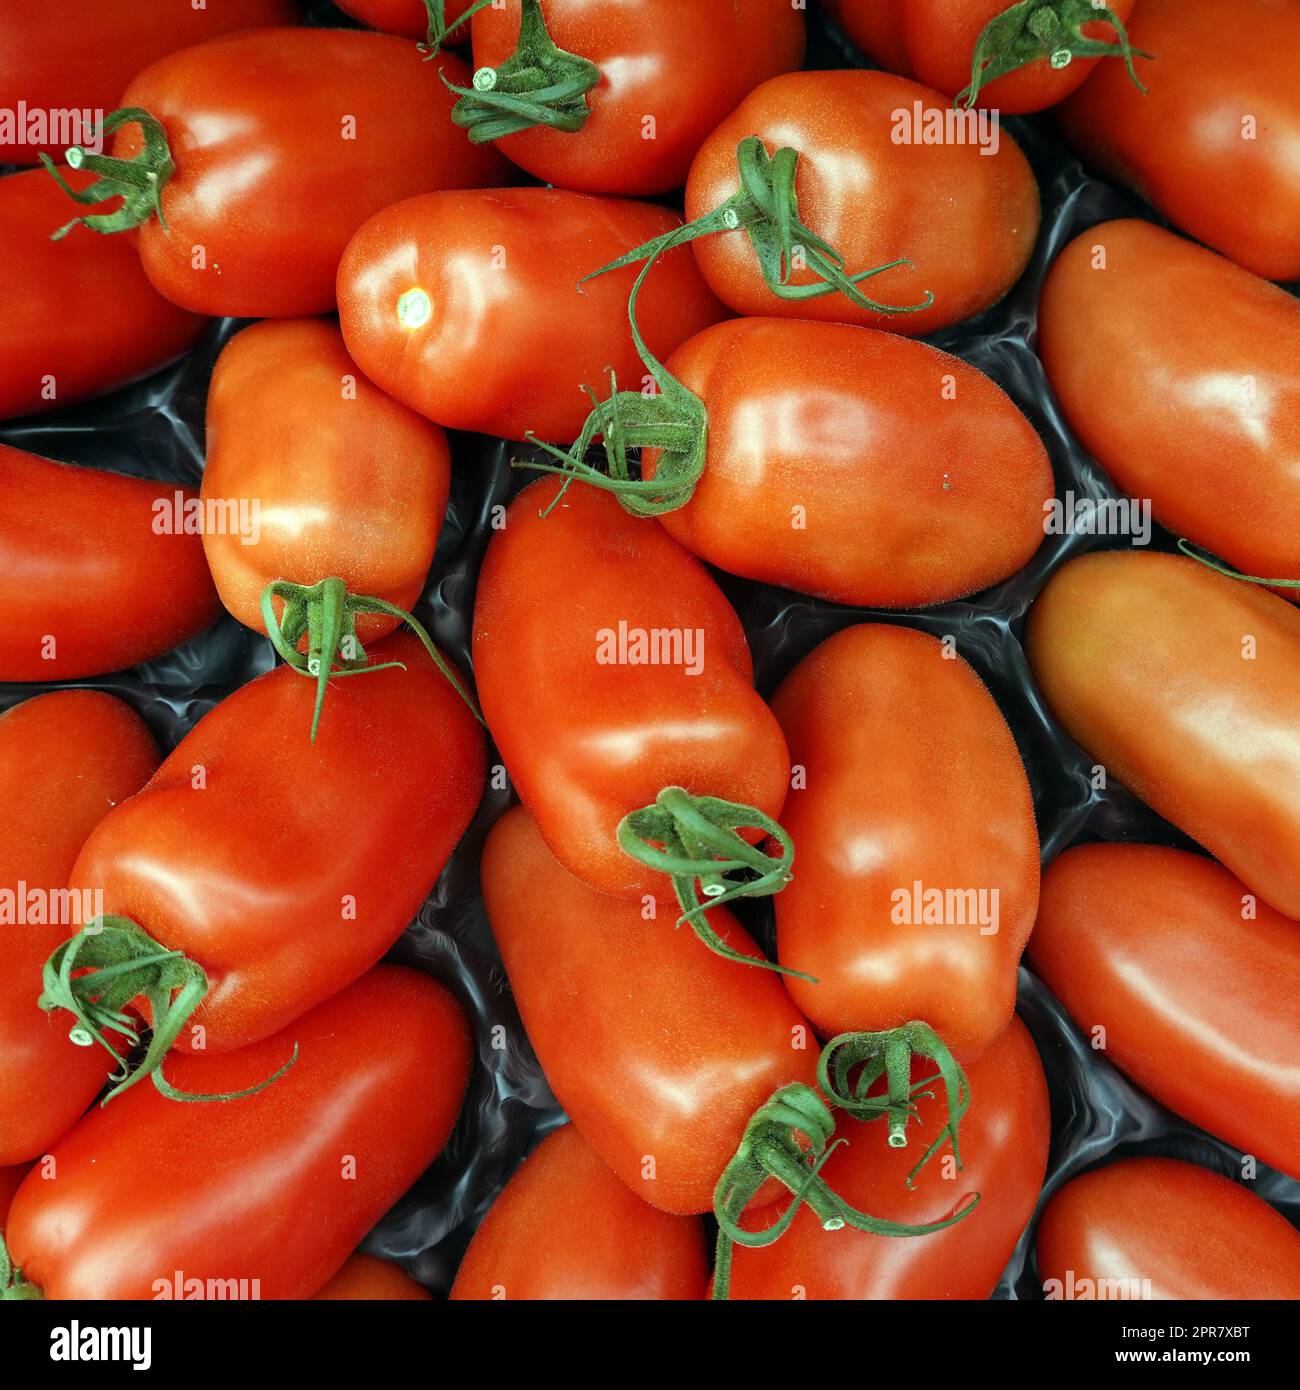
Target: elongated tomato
pixel 1155 1228
pixel 66 759
pixel 347 483
pixel 249 851
pixel 467 307
pixel 966 219
pixel 1004 1139
pixel 565 1227
pixel 148 1191
pixel 917 856
pixel 609 667
pixel 372 1280
pixel 1214 143
pixel 77 317
pixel 95 573
pixel 1186 686
pixel 658 1049
pixel 856 465
pixel 1191 980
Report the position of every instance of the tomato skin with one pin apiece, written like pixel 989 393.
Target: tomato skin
pixel 369 1279
pixel 565 1227
pixel 130 596
pixel 935 752
pixel 501 268
pixel 267 181
pixel 1004 1141
pixel 1182 146
pixel 682 63
pixel 409 18
pixel 933 41
pixel 1138 354
pixel 1192 1233
pixel 66 759
pixel 968 221
pixel 241 874
pixel 146 1187
pixel 78 315
pixel 1152 944
pixel 587 742
pixel 656 1047
pixel 853 426
pixel 348 485
pixel 1142 658
pixel 81 55
pixel 11 1179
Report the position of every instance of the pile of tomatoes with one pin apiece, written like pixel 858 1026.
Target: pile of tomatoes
pixel 666 548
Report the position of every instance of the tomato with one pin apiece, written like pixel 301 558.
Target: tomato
pixel 365 1277
pixel 658 1049
pixel 856 465
pixel 1155 1228
pixel 467 307
pixel 1004 1140
pixel 410 18
pixel 95 574
pixel 593 726
pixel 564 1227
pixel 284 142
pixel 11 1179
pixel 1178 372
pixel 75 59
pixel 1186 686
pixel 665 73
pixel 966 219
pixel 1212 145
pixel 935 42
pixel 1191 982
pixel 265 1197
pixel 873 869
pixel 247 852
pixel 76 317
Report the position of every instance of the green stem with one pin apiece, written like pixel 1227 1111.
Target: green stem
pixel 1044 30
pixel 1203 557
pixel 438 26
pixel 13 1287
pixel 126 964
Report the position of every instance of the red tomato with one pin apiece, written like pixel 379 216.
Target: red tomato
pixel 926 796
pixel 1004 1138
pixel 11 1179
pixel 367 1278
pixel 77 58
pixel 267 1196
pixel 564 1227
pixel 1155 1228
pixel 588 732
pixel 285 141
pixel 1155 947
pixel 1178 371
pixel 1213 144
pixel 247 853
pixel 76 317
pixel 658 1049
pixel 410 18
pixel 66 759
pixel 467 305
pixel 95 575
pixel 856 465
pixel 967 220
pixel 1186 685
pixel 347 483
pixel 934 41
pixel 669 71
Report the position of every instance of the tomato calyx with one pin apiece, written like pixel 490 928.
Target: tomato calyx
pixel 122 963
pixel 138 181
pixel 439 28
pixel 1045 31
pixel 13 1287
pixel 325 613
pixel 889 1054
pixel 540 84
pixel 1203 557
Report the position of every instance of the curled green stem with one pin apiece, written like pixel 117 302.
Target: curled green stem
pixel 326 613
pixel 439 29
pixel 1204 557
pixel 13 1287
pixel 121 964
pixel 138 181
pixel 1045 30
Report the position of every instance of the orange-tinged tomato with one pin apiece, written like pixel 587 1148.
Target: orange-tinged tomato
pixel 1185 685
pixel 370 1279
